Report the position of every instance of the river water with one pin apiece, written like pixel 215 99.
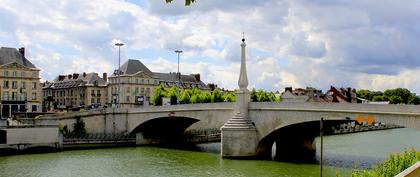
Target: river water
pixel 341 153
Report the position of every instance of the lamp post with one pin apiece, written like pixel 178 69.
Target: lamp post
pixel 119 44
pixel 178 52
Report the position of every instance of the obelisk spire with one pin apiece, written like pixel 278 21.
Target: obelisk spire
pixel 243 78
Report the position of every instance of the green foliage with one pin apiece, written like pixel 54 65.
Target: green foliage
pixel 229 97
pixel 403 93
pixel 159 93
pixel 392 166
pixel 185 96
pixel 172 94
pixel 63 129
pixel 216 96
pixel 205 97
pixel 79 127
pixel 379 98
pixel 394 99
pixel 254 97
pixel 263 96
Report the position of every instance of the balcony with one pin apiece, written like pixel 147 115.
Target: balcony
pixel 9 98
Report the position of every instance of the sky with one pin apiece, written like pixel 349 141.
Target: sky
pixel 365 44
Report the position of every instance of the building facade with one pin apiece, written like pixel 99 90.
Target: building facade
pixel 73 91
pixel 137 84
pixel 20 88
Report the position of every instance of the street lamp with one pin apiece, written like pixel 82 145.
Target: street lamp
pixel 119 44
pixel 178 52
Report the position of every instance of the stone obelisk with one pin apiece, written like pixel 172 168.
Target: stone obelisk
pixel 239 135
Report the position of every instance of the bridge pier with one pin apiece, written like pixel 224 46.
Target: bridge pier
pixel 239 134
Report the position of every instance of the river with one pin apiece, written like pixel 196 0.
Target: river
pixel 341 153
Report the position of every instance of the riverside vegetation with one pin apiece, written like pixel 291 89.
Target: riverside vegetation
pixel 395 164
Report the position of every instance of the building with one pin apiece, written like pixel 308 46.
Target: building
pixel 138 84
pixel 333 95
pixel 302 95
pixel 20 86
pixel 342 95
pixel 77 90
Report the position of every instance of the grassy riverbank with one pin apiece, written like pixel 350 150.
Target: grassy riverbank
pixel 395 164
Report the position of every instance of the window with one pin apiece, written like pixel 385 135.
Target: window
pixel 137 80
pixel 128 90
pixel 99 92
pixel 147 91
pixel 6 95
pixel 14 95
pixel 14 84
pixel 156 82
pixel 5 84
pixel 23 96
pixel 93 92
pixel 23 84
pixel 92 100
pixel 34 96
pixel 147 80
pixel 33 85
pixel 14 73
pixel 34 109
pixel 34 74
pixel 98 100
pixel 22 74
pixel 6 73
pixel 142 81
pixel 136 90
pixel 142 91
pixel 127 98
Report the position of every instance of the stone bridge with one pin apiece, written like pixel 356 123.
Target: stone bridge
pixel 249 129
pixel 293 126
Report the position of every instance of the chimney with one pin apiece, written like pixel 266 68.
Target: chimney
pixel 22 51
pixel 75 75
pixel 105 76
pixel 61 77
pixel 197 77
pixel 69 76
pixel 84 74
pixel 348 94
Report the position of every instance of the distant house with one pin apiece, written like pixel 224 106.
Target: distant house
pixel 341 95
pixel 333 95
pixel 20 89
pixel 301 95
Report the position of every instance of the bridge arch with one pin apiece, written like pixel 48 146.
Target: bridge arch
pixel 162 130
pixel 294 142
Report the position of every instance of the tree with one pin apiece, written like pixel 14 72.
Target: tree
pixel 185 96
pixel 394 99
pixel 187 2
pixel 254 95
pixel 414 99
pixel 380 98
pixel 79 127
pixel 403 93
pixel 173 94
pixel 160 92
pixel 205 97
pixel 229 97
pixel 216 96
pixel 272 97
pixel 262 96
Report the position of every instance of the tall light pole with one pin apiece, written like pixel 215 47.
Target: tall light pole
pixel 178 52
pixel 119 44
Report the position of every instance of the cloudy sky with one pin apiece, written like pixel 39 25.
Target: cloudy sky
pixel 372 44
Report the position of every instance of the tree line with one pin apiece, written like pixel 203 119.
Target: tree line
pixel 195 95
pixel 394 96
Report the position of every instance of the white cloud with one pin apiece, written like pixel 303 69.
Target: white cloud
pixel 364 44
